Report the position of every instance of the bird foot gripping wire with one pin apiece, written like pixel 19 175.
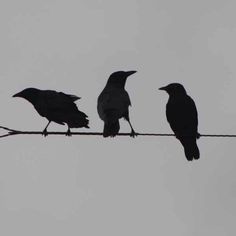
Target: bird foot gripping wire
pixel 45 133
pixel 133 134
pixel 68 133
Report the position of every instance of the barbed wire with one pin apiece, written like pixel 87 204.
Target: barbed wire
pixel 11 132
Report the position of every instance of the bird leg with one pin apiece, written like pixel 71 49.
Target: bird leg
pixel 132 134
pixel 68 133
pixel 198 135
pixel 177 135
pixel 45 132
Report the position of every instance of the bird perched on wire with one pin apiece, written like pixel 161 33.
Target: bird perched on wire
pixel 55 106
pixel 182 116
pixel 113 103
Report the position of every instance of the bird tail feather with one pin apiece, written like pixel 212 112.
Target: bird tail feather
pixel 78 120
pixel 190 149
pixel 111 129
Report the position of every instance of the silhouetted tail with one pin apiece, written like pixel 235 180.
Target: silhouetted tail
pixel 78 120
pixel 111 129
pixel 190 149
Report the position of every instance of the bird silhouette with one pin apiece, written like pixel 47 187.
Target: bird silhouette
pixel 113 103
pixel 55 106
pixel 182 116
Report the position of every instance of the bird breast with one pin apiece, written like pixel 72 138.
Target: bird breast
pixel 113 99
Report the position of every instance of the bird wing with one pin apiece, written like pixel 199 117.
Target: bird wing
pixel 114 102
pixel 182 115
pixel 71 96
pixel 56 106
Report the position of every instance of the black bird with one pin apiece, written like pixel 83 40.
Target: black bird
pixel 182 116
pixel 55 106
pixel 113 103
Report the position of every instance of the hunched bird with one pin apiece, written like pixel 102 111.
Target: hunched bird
pixel 55 106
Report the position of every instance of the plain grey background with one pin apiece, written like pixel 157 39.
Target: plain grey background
pixel 122 186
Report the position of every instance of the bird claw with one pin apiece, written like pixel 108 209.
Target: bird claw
pixel 68 133
pixel 177 136
pixel 45 133
pixel 133 134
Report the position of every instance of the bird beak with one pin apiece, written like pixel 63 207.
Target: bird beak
pixel 17 95
pixel 162 88
pixel 128 73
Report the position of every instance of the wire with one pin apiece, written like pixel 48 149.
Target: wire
pixel 11 132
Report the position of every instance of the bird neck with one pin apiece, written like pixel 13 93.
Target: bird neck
pixel 177 96
pixel 115 85
pixel 32 98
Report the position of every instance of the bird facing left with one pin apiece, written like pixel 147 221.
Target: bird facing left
pixel 182 115
pixel 57 107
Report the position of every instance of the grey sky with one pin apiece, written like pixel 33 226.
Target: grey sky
pixel 121 186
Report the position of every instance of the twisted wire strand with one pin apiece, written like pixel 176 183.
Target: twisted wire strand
pixel 11 132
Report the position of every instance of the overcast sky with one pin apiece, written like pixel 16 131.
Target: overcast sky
pixel 94 186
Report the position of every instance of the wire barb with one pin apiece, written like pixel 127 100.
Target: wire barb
pixel 11 132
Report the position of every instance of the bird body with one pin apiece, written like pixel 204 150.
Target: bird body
pixel 113 103
pixel 182 116
pixel 116 100
pixel 55 106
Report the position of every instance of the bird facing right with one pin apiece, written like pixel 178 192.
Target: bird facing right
pixel 113 103
pixel 182 116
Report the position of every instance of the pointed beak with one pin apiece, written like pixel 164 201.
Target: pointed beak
pixel 128 73
pixel 17 95
pixel 162 88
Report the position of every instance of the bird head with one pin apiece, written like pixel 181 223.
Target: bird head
pixel 118 78
pixel 174 89
pixel 30 94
